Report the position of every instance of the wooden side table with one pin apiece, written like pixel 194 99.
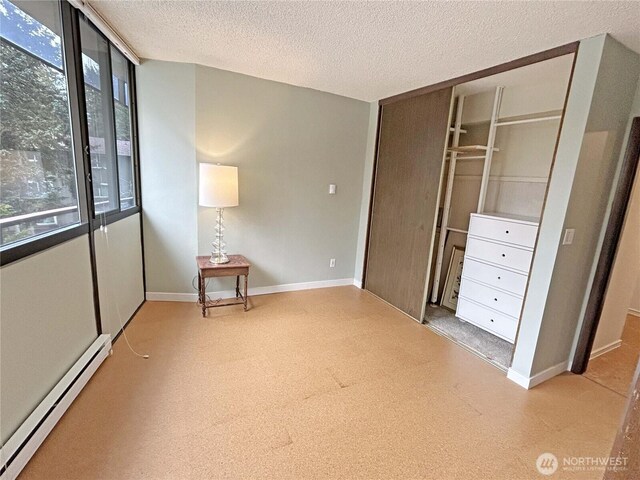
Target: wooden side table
pixel 238 265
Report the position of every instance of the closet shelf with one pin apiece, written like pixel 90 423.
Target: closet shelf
pixel 468 157
pixel 471 149
pixel 528 120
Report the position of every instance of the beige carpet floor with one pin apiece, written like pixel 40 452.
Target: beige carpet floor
pixel 329 383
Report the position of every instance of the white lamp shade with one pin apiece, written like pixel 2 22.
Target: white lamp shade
pixel 218 186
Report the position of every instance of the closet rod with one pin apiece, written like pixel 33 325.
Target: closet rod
pixel 529 120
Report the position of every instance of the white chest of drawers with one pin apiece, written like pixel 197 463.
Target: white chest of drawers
pixel 495 272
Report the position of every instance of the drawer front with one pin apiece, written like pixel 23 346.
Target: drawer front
pixel 504 231
pixel 502 255
pixel 510 281
pixel 496 323
pixel 490 297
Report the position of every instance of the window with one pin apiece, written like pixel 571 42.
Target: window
pixel 38 189
pixel 67 139
pixel 122 111
pixel 100 118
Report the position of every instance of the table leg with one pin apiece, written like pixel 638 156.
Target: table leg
pixel 246 285
pixel 202 295
pixel 237 286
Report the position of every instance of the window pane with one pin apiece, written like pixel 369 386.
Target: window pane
pixel 38 190
pixel 95 64
pixel 122 109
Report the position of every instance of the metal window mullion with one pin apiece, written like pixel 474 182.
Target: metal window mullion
pixel 75 74
pixel 75 104
pixel 135 146
pixel 112 111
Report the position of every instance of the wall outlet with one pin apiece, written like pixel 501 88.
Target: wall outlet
pixel 569 233
pixel 332 189
pixel 332 262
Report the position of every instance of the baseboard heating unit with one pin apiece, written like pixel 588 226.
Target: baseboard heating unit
pixel 17 451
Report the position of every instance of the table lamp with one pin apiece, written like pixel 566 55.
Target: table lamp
pixel 219 189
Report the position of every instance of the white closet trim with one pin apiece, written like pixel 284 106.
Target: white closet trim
pixel 106 29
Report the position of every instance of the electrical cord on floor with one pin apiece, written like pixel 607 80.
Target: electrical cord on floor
pixel 207 298
pixel 104 230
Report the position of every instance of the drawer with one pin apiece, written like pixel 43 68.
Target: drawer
pixel 496 323
pixel 515 283
pixel 490 297
pixel 503 230
pixel 502 255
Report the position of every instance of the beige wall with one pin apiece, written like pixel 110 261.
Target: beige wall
pixel 46 323
pixel 289 143
pixel 623 291
pixel 119 266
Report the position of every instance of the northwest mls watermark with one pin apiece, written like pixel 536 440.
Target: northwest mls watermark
pixel 547 464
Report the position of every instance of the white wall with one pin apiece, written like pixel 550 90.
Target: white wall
pixel 45 325
pixel 119 267
pixel 289 144
pixel 537 97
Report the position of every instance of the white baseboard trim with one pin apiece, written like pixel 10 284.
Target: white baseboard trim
pixel 357 283
pixel 607 348
pixel 19 449
pixel 518 378
pixel 538 378
pixel 253 291
pixel 634 312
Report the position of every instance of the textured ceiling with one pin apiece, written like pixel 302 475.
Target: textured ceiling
pixel 363 50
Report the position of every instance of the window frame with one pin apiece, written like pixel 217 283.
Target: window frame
pixel 89 222
pixel 109 120
pixel 133 115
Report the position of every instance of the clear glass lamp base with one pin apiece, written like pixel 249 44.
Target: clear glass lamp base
pixel 219 254
pixel 219 259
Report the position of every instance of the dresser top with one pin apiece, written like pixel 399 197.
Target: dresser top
pixel 510 217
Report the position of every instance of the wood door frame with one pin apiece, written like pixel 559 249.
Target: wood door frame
pixel 607 256
pixel 566 49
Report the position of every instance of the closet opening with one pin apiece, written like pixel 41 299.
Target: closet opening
pixel 502 139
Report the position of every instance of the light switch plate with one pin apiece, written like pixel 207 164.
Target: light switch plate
pixel 569 233
pixel 332 189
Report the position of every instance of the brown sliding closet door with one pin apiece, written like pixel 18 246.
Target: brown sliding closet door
pixel 412 138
